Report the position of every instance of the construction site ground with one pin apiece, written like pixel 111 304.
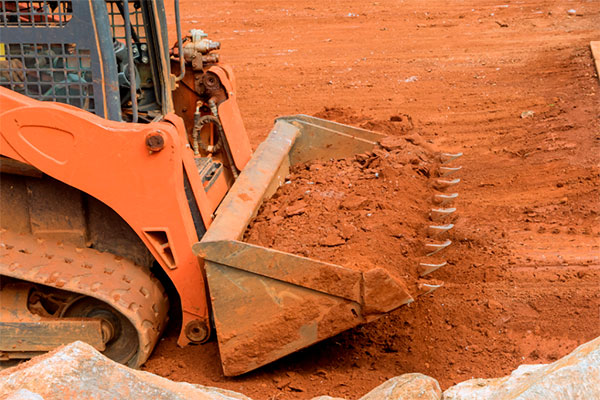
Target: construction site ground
pixel 509 83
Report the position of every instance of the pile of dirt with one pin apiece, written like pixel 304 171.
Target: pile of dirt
pixel 398 123
pixel 367 211
pixel 361 212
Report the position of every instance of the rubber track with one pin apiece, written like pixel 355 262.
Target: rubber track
pixel 129 288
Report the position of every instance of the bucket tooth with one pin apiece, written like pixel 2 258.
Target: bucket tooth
pixel 447 171
pixel 446 183
pixel 427 268
pixel 443 199
pixel 448 157
pixel 433 248
pixel 439 213
pixel 434 230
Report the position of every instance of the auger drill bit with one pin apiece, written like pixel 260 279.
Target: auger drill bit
pixel 443 199
pixel 448 157
pixel 436 247
pixel 434 230
pixel 437 214
pixel 425 288
pixel 427 268
pixel 442 184
pixel 447 171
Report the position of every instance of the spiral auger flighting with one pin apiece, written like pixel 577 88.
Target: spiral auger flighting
pixel 441 215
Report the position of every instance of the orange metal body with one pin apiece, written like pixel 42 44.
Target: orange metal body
pixel 112 162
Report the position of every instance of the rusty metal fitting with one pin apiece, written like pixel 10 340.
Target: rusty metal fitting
pixel 201 43
pixel 196 49
pixel 155 141
pixel 211 81
pixel 108 330
pixel 210 59
pixel 196 331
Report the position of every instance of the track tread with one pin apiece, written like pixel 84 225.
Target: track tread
pixel 129 288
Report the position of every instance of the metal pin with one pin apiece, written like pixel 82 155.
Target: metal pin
pixel 439 213
pixel 427 268
pixel 447 157
pixel 442 199
pixel 446 183
pixel 447 171
pixel 439 229
pixel 436 247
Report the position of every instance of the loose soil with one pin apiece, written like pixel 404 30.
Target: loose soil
pixel 524 271
pixel 361 212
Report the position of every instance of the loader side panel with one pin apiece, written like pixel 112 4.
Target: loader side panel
pixel 47 208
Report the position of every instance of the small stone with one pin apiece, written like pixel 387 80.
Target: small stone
pixel 408 386
pixel 572 11
pixel 475 349
pixel 281 382
pixel 332 239
pixel 393 143
pixel 354 202
pixel 527 114
pixel 494 305
pixel 276 219
pixel 296 209
pixel 321 373
pixel 295 387
pixel 346 230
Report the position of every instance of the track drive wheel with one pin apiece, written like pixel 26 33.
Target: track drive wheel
pixel 120 336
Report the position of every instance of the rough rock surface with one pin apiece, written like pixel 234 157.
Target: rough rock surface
pixel 575 376
pixel 78 371
pixel 23 394
pixel 406 387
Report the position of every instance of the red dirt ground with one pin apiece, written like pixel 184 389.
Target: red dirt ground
pixel 524 275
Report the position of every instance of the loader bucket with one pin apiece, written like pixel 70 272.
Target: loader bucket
pixel 268 303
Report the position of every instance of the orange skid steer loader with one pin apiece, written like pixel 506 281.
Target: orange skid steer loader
pixel 127 182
